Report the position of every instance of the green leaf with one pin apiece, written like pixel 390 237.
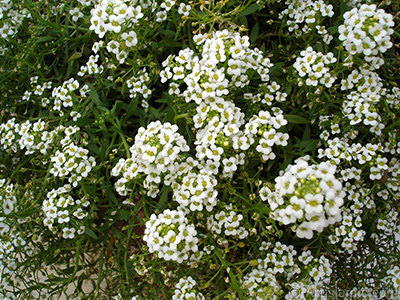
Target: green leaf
pixel 123 214
pixel 275 52
pixel 44 39
pixel 163 199
pixel 276 70
pixel 248 11
pixel 155 112
pixel 90 233
pixel 296 119
pixel 236 285
pixel 93 148
pixel 254 33
pixel 81 122
pixel 131 109
pixel 243 21
pixel 74 56
pixel 234 281
pixel 153 44
pixel 168 33
pixel 117 107
pixel 94 96
pixel 306 133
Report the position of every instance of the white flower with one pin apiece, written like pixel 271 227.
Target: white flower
pixel 68 233
pixel 304 231
pixel 129 38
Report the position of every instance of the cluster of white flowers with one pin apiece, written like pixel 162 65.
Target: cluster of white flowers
pixel 92 66
pixel 278 259
pixel 138 84
pixel 308 14
pixel 33 137
pixel 359 197
pixel 38 90
pixel 60 208
pixel 193 186
pixel 262 130
pixel 313 273
pixel 8 200
pixel 72 161
pixel 261 284
pixel 370 155
pixel 389 223
pixel 313 68
pixel 14 246
pixel 115 16
pixel 227 221
pixel 66 96
pixel 170 235
pixel 313 285
pixel 224 64
pixel 185 289
pixel 216 124
pixel 119 19
pixel 11 245
pixel 154 153
pixel 394 277
pixel 349 233
pixel 366 30
pixel 306 194
pixel 393 98
pixel 76 12
pixel 363 101
pixel 269 92
pixel 11 19
pixel 393 178
pixel 63 96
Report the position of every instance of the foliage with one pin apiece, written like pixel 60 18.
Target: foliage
pixel 199 150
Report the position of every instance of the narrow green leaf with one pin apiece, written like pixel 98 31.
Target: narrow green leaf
pixel 248 11
pixel 275 52
pixel 296 119
pixel 254 33
pixel 234 281
pixel 168 33
pixel 94 96
pixel 236 285
pixel 243 21
pixel 74 56
pixel 44 39
pixel 131 108
pixel 123 214
pixel 117 107
pixel 163 200
pixel 306 133
pixel 90 233
pixel 155 112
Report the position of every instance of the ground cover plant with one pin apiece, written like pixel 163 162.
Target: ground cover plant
pixel 199 149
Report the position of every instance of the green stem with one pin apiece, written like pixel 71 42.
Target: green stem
pixel 122 135
pixel 180 116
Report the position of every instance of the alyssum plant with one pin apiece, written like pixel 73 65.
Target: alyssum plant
pixel 210 150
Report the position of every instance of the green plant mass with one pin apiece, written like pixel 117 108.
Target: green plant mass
pixel 205 149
